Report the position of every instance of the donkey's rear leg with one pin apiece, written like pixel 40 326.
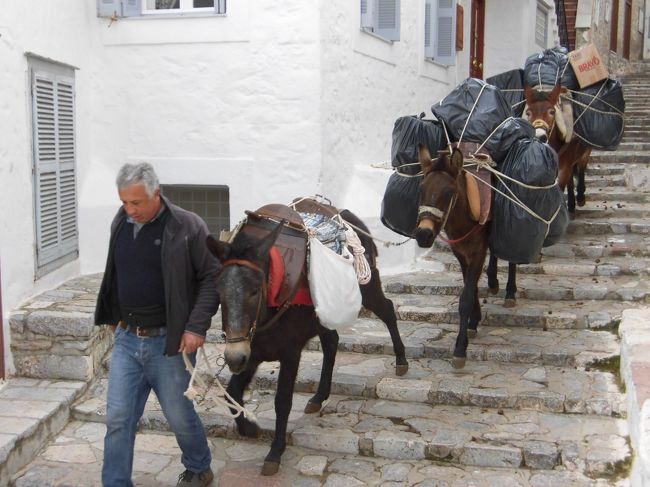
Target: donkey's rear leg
pixel 373 298
pixel 329 340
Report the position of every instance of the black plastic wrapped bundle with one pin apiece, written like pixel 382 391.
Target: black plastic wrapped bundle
pixel 516 235
pixel 512 130
pixel 399 207
pixel 408 133
pixel 598 114
pixel 483 104
pixel 511 84
pixel 549 68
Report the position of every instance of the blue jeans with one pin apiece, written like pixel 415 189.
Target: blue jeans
pixel 137 366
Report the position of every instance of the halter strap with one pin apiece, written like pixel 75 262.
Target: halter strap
pixel 262 296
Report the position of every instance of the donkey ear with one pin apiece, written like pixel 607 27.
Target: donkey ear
pixel 221 250
pixel 456 160
pixel 555 94
pixel 268 241
pixel 528 94
pixel 424 157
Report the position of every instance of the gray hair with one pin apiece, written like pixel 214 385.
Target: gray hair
pixel 140 173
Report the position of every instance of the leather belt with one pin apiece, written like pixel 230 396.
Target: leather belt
pixel 144 332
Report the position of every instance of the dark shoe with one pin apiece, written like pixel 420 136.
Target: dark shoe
pixel 193 479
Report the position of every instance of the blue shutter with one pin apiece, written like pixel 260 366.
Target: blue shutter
pixel 131 8
pixel 366 14
pixel 429 33
pixel 445 48
pixel 108 8
pixel 387 19
pixel 220 6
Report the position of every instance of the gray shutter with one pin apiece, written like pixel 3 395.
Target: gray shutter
pixel 366 13
pixel 131 8
pixel 54 172
pixel 446 32
pixel 387 19
pixel 220 6
pixel 429 50
pixel 108 8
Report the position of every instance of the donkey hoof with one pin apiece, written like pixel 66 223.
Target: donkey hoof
pixel 580 202
pixel 248 429
pixel 471 333
pixel 401 369
pixel 510 303
pixel 270 468
pixel 458 362
pixel 493 290
pixel 312 407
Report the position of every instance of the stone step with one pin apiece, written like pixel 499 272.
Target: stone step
pixel 529 286
pixel 32 411
pixel 601 169
pixel 634 146
pixel 561 348
pixel 539 314
pixel 561 259
pixel 599 206
pixel 617 226
pixel 237 462
pixel 622 156
pixel 595 180
pixel 616 194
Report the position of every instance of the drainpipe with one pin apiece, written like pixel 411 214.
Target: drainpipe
pixel 2 342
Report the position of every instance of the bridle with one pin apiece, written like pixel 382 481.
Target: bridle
pixel 262 297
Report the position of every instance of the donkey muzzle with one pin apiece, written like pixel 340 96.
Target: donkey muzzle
pixel 236 356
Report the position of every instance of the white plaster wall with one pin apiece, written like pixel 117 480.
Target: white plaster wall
pixel 230 100
pixel 367 83
pixel 63 34
pixel 510 34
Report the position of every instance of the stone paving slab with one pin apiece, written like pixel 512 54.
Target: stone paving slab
pixel 534 287
pixel 608 226
pixel 503 344
pixel 74 459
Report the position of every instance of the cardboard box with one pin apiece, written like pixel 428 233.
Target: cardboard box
pixel 587 65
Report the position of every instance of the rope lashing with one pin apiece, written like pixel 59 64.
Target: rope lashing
pixel 192 393
pixel 361 266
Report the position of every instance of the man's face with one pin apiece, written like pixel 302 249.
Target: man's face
pixel 137 203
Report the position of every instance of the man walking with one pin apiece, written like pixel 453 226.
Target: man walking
pixel 158 293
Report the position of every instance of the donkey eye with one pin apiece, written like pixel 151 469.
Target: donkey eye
pixel 551 111
pixel 528 113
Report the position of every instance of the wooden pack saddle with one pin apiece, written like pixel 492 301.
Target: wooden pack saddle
pixel 478 182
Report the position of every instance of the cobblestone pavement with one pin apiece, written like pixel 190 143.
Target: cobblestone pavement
pixel 555 391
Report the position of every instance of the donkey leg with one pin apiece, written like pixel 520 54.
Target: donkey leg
pixel 511 286
pixel 466 305
pixel 373 298
pixel 493 278
pixel 236 386
pixel 329 340
pixel 580 188
pixel 571 199
pixel 474 317
pixel 283 402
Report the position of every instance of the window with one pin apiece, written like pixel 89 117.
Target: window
pixel 440 31
pixel 54 164
pixel 541 26
pixel 212 203
pixel 381 17
pixel 132 8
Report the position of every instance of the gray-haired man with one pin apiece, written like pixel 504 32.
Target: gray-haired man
pixel 158 293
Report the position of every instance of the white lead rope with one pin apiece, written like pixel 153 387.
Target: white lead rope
pixel 191 393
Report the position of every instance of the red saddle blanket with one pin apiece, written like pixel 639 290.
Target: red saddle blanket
pixel 276 278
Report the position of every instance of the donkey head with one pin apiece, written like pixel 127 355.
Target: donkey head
pixel 242 285
pixel 540 111
pixel 438 193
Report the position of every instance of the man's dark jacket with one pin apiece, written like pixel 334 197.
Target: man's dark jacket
pixel 189 274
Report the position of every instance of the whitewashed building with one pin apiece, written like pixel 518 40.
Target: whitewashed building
pixel 236 104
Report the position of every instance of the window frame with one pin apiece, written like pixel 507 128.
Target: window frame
pixel 222 190
pixel 138 9
pixel 54 164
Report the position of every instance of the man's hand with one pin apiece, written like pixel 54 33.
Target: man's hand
pixel 191 342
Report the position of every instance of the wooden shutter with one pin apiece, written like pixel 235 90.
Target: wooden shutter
pixel 54 171
pixel 366 14
pixel 446 32
pixel 429 33
pixel 108 8
pixel 387 19
pixel 220 6
pixel 131 8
